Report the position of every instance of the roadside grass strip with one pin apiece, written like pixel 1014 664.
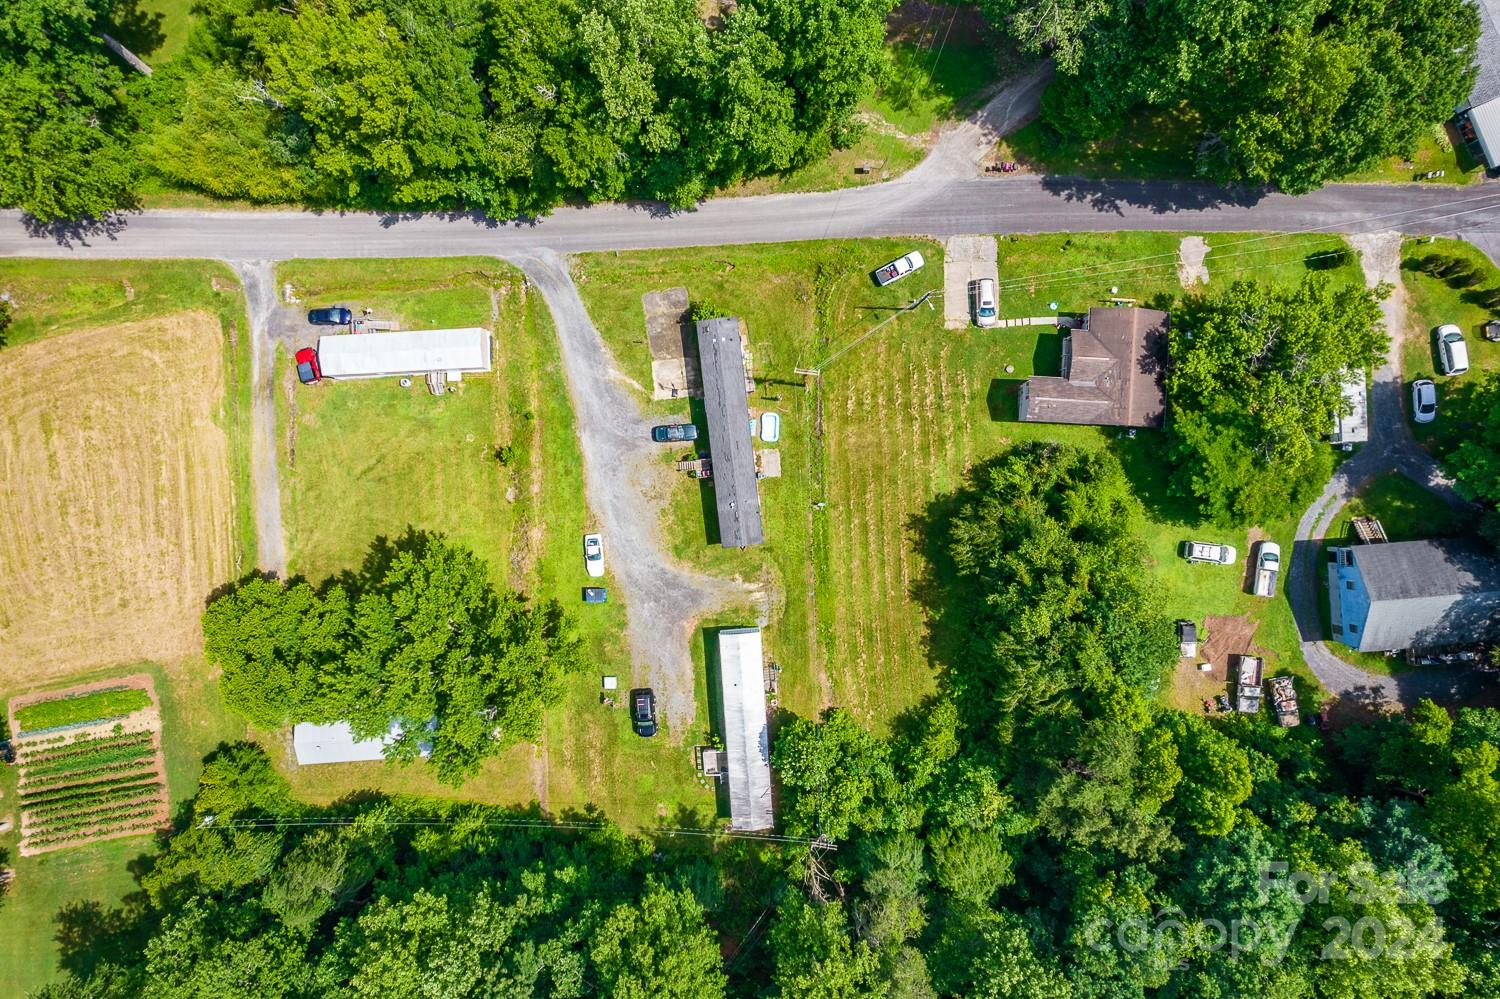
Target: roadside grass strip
pixel 100 705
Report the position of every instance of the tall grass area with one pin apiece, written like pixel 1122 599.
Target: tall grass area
pixel 368 458
pixel 80 887
pixel 903 417
pixel 56 296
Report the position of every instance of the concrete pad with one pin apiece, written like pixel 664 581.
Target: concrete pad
pixel 966 259
pixel 674 345
pixel 1191 269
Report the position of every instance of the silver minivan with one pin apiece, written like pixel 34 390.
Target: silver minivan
pixel 983 295
pixel 1452 351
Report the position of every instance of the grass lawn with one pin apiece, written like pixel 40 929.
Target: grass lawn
pixel 155 30
pixel 89 881
pixel 1429 155
pixel 1432 302
pixel 1151 143
pixel 902 418
pixel 922 85
pixel 368 458
pixel 1160 144
pixel 886 155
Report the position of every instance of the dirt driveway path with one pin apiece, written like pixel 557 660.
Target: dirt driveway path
pixel 663 600
pixel 259 280
pixel 1391 448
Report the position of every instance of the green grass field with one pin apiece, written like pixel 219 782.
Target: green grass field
pixel 58 898
pixel 155 30
pixel 370 458
pixel 902 418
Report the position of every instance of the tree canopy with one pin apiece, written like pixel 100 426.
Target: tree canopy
pixel 1288 92
pixel 502 107
pixel 1256 377
pixel 422 636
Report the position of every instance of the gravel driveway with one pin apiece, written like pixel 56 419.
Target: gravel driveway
pixel 259 280
pixel 663 600
pixel 1391 448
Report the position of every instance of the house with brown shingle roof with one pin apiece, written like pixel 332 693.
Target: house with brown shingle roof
pixel 1111 373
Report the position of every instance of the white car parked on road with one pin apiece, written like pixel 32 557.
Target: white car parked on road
pixel 593 554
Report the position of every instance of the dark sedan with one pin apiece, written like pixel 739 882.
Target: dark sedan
pixel 669 433
pixel 336 316
pixel 643 712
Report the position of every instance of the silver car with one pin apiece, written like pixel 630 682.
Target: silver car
pixel 1423 400
pixel 1453 352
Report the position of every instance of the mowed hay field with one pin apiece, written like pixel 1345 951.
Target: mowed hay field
pixel 116 494
pixel 900 419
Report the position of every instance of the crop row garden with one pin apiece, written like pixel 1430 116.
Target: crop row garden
pixel 98 705
pixel 80 786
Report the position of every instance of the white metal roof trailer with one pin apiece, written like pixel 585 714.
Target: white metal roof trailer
pixel 1353 427
pixel 455 353
pixel 747 740
pixel 335 743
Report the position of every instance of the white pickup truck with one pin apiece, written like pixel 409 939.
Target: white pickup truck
pixel 1267 568
pixel 1206 551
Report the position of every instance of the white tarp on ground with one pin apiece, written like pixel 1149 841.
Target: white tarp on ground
pixel 455 352
pixel 747 741
pixel 335 743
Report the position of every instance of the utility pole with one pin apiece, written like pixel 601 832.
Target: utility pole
pixel 816 371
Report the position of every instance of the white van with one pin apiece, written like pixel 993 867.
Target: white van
pixel 1452 351
pixel 985 312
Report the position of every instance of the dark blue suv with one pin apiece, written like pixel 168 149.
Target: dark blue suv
pixel 336 316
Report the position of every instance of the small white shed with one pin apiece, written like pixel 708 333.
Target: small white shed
pixel 335 743
pixel 455 353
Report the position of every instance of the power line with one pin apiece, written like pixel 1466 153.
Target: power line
pixel 210 821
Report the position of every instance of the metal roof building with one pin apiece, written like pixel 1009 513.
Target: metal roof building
pixel 455 353
pixel 747 738
pixel 1413 594
pixel 1481 112
pixel 335 743
pixel 726 403
pixel 1353 427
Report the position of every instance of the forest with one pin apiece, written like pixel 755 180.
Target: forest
pixel 508 108
pixel 1042 828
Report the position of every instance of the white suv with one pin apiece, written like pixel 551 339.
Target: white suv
pixel 985 313
pixel 1452 351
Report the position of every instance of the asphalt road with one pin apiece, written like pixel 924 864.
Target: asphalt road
pixel 927 205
